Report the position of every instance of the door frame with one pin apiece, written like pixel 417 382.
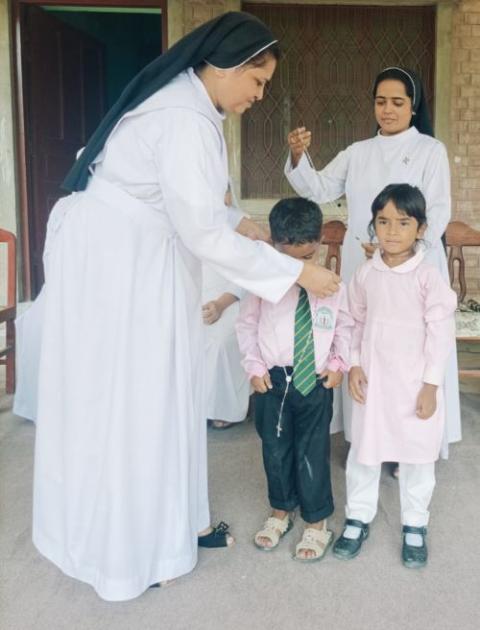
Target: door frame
pixel 18 104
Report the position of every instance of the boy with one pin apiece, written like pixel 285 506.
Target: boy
pixel 294 354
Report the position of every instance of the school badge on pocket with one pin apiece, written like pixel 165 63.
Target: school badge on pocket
pixel 324 318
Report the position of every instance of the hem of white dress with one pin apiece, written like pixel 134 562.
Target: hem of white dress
pixel 117 590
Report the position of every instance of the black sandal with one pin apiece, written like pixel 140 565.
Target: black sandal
pixel 218 537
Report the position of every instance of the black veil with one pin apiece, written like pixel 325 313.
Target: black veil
pixel 225 42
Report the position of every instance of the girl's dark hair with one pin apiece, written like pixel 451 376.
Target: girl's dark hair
pixel 405 198
pixel 295 221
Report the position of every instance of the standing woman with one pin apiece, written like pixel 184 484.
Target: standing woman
pixel 403 151
pixel 120 480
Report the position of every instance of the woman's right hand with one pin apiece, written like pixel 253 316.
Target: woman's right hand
pixel 298 140
pixel 318 280
pixel 369 249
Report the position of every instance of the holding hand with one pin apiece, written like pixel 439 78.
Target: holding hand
pixel 256 232
pixel 261 384
pixel 356 383
pixel 334 379
pixel 427 401
pixel 298 140
pixel 320 281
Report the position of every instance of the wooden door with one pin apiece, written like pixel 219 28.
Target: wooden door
pixel 63 95
pixel 330 57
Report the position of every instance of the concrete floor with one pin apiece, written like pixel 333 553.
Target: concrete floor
pixel 243 588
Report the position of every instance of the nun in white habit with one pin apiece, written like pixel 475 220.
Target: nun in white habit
pixel 120 478
pixel 403 150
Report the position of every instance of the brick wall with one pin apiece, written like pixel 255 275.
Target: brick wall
pixel 465 128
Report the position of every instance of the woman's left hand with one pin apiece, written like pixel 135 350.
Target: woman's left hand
pixel 211 312
pixel 256 232
pixel 369 249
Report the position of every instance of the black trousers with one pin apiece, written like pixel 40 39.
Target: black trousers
pixel 297 462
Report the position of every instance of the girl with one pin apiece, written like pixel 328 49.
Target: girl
pixel 404 333
pixel 403 150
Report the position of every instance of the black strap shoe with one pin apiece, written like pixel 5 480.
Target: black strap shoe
pixel 414 557
pixel 349 548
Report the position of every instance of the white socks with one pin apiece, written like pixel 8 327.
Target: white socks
pixel 415 540
pixel 352 532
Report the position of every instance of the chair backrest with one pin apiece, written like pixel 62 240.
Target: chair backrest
pixel 11 289
pixel 332 235
pixel 459 235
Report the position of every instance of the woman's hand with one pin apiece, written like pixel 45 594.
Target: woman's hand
pixel 261 384
pixel 256 232
pixel 356 383
pixel 427 401
pixel 298 140
pixel 319 280
pixel 211 312
pixel 369 249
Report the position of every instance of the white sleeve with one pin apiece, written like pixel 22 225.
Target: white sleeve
pixel 319 186
pixel 436 188
pixel 185 157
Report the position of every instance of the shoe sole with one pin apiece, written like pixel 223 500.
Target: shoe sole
pixel 350 556
pixel 414 565
pixel 316 558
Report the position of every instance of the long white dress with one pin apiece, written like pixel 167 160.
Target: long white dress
pixel 361 172
pixel 120 479
pixel 227 385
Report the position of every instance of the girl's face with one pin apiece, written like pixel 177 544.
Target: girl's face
pixel 238 89
pixel 397 233
pixel 393 108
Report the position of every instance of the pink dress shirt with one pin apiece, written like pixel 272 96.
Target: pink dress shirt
pixel 265 332
pixel 404 333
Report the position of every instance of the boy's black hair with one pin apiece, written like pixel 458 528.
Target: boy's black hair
pixel 295 221
pixel 407 199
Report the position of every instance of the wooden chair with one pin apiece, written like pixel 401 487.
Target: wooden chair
pixel 460 235
pixel 332 235
pixel 8 311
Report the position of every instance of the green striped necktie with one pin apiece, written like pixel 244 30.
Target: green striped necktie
pixel 304 375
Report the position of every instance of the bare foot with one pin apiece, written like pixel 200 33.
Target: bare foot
pixel 209 530
pixel 310 553
pixel 221 424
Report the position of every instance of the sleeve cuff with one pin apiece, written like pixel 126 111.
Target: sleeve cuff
pixel 433 376
pixel 336 364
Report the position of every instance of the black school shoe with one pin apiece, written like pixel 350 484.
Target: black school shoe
pixel 414 557
pixel 349 548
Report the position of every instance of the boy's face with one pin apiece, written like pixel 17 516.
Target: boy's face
pixel 303 251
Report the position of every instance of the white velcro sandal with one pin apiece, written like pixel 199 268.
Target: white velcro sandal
pixel 316 540
pixel 273 530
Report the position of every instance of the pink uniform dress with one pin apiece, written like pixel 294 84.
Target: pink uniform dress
pixel 404 334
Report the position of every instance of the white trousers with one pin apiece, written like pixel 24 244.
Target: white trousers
pixel 416 481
